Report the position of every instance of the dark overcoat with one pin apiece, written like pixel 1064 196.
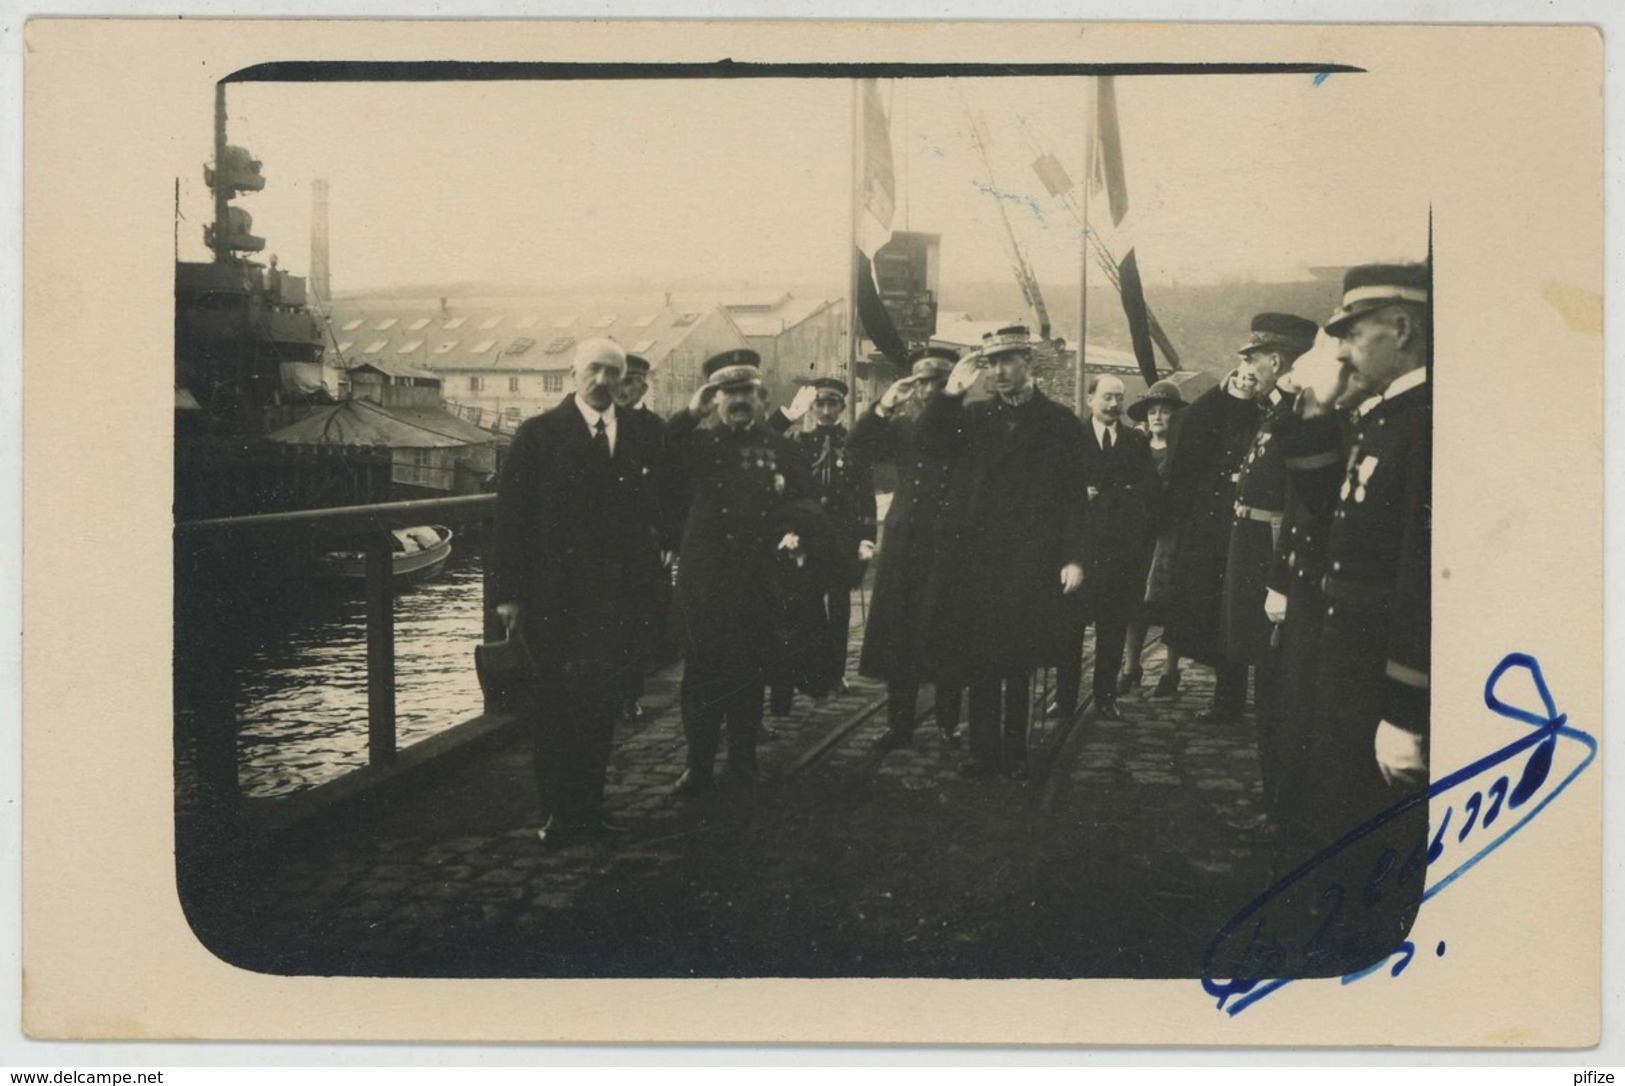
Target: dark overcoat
pixel 1297 573
pixel 739 483
pixel 1260 493
pixel 1017 510
pixel 1204 463
pixel 577 538
pixel 895 641
pixel 1118 524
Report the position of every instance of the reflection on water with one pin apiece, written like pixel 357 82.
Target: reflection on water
pixel 299 676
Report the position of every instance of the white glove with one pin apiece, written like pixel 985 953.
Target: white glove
pixel 866 550
pixel 1071 578
pixel 704 400
pixel 1399 756
pixel 801 403
pixel 790 542
pixel 966 372
pixel 899 391
pixel 1275 607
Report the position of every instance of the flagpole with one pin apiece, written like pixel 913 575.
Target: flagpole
pixel 1079 391
pixel 854 181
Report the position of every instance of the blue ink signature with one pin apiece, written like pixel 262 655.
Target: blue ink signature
pixel 1446 853
pixel 1030 203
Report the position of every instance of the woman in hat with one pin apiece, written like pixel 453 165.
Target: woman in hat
pixel 1155 411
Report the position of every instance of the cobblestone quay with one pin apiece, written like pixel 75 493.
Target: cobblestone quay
pixel 1116 859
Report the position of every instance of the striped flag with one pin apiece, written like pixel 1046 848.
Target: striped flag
pixel 1110 176
pixel 877 203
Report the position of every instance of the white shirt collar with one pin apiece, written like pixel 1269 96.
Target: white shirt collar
pixel 1397 387
pixel 1406 381
pixel 1101 428
pixel 592 414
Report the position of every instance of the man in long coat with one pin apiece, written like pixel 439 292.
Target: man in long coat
pixel 741 479
pixel 1204 464
pixel 1275 342
pixel 1373 708
pixel 576 547
pixel 895 638
pixel 1118 480
pixel 1015 552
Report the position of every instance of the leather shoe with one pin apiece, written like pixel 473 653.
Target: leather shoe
pixel 605 824
pixel 890 741
pixel 949 735
pixel 1167 686
pixel 692 783
pixel 631 711
pixel 558 834
pixel 739 774
pixel 1017 771
pixel 1108 710
pixel 1216 718
pixel 1129 680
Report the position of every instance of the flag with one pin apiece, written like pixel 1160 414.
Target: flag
pixel 1109 163
pixel 877 203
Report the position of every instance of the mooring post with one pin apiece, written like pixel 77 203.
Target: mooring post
pixel 380 650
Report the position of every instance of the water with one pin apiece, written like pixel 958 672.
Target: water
pixel 289 666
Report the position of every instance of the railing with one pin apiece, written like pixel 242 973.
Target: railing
pixel 373 524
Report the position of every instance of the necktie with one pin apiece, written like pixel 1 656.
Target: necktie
pixel 600 438
pixel 1106 441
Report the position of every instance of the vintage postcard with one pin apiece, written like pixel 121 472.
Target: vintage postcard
pixel 1050 533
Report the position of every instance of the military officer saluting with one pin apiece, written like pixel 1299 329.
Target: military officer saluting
pixel 741 478
pixel 1275 342
pixel 1373 706
pixel 895 638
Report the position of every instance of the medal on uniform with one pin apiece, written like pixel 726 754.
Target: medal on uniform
pixel 1359 478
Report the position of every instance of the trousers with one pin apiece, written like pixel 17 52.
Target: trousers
pixel 998 716
pixel 714 695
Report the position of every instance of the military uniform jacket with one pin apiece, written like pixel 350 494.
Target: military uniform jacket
pixel 576 539
pixel 740 485
pixel 1255 530
pixel 1205 454
pixel 843 482
pixel 895 638
pixel 1378 555
pixel 1016 518
pixel 1297 573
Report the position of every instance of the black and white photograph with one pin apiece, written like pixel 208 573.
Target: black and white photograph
pixel 825 513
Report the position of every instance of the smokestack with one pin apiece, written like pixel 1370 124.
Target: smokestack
pixel 320 283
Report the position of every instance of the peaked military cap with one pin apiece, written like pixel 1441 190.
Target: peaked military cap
pixel 1280 332
pixel 1372 286
pixel 1013 337
pixel 932 361
pixel 732 368
pixel 830 388
pixel 636 363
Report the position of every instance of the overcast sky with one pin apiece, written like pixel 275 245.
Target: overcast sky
pixel 1229 176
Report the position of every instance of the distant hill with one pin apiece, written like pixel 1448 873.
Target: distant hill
pixel 1205 322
